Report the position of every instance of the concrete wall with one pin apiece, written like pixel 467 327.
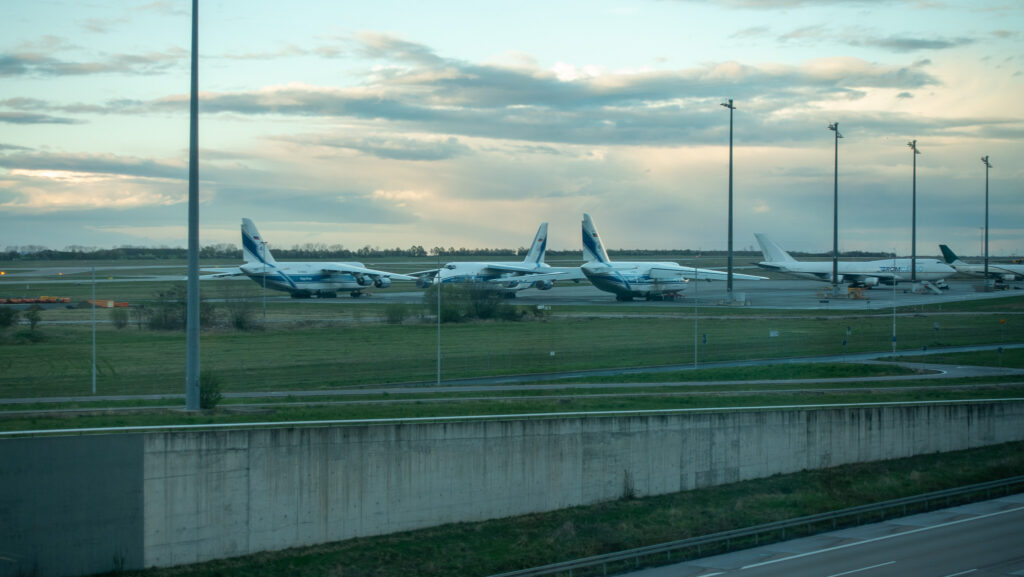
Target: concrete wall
pixel 205 495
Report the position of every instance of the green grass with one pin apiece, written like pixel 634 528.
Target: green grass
pixel 317 355
pixel 474 549
pixel 655 398
pixel 1013 358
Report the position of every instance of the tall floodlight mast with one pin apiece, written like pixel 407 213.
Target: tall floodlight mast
pixel 913 216
pixel 728 283
pixel 834 127
pixel 988 165
pixel 192 314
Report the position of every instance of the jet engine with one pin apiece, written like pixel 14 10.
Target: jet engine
pixel 382 282
pixel 543 285
pixel 364 280
pixel 870 281
pixel 424 282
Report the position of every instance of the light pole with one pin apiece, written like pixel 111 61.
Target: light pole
pixel 728 282
pixel 913 216
pixel 988 165
pixel 834 127
pixel 192 311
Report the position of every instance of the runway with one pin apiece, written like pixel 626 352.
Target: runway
pixel 766 294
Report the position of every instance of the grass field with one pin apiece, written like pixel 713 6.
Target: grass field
pixel 55 360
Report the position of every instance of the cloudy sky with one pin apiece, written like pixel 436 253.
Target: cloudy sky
pixel 467 123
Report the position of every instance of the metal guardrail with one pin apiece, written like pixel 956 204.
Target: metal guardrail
pixel 662 553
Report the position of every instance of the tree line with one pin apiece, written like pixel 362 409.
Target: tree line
pixel 314 251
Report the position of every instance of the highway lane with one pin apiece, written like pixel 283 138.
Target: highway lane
pixel 983 539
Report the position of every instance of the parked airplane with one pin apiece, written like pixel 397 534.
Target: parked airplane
pixel 999 271
pixel 651 280
pixel 303 279
pixel 508 277
pixel 866 274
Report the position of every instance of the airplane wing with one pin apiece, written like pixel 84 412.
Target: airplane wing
pixel 525 278
pixel 222 272
pixel 425 273
pixel 666 272
pixel 498 267
pixel 358 270
pixel 573 273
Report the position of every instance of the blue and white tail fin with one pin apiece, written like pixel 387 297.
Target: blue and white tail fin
pixel 539 246
pixel 771 251
pixel 254 248
pixel 593 249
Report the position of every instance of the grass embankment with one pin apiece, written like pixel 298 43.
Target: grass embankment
pixel 475 549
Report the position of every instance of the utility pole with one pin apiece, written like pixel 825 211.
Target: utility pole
pixel 192 313
pixel 834 127
pixel 728 283
pixel 988 165
pixel 913 216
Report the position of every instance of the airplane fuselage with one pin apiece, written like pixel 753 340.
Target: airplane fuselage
pixel 627 280
pixel 867 273
pixel 475 272
pixel 304 279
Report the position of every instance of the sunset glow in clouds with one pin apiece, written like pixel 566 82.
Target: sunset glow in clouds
pixel 464 124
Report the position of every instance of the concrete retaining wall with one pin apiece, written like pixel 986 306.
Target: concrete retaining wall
pixel 182 497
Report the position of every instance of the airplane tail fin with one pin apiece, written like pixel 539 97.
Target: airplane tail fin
pixel 539 246
pixel 593 249
pixel 948 255
pixel 771 251
pixel 254 248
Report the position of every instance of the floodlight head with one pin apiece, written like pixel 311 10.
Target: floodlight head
pixel 729 105
pixel 985 160
pixel 834 126
pixel 913 146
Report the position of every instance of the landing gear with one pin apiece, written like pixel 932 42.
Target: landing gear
pixel 356 294
pixel 623 298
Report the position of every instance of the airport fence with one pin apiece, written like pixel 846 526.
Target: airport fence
pixel 708 545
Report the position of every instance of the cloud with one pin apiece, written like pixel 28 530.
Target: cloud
pixel 27 63
pixel 398 148
pixel 32 118
pixel 909 44
pixel 422 92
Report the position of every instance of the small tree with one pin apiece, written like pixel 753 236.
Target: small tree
pixel 33 316
pixel 8 317
pixel 209 390
pixel 119 316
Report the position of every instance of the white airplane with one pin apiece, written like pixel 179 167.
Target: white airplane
pixel 651 280
pixel 303 279
pixel 507 277
pixel 858 273
pixel 999 271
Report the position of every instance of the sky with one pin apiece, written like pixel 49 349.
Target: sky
pixel 466 123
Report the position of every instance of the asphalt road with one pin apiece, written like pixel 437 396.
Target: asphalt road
pixel 983 539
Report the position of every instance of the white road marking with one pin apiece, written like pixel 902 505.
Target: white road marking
pixel 883 538
pixel 862 569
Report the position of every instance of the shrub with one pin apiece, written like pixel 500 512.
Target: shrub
pixel 209 390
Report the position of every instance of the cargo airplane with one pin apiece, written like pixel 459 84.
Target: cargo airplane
pixel 507 277
pixel 998 271
pixel 857 273
pixel 302 279
pixel 650 280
